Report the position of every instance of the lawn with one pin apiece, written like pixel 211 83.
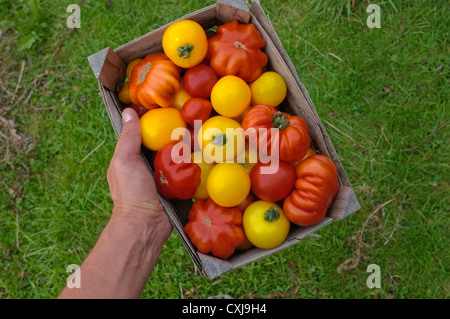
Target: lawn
pixel 382 94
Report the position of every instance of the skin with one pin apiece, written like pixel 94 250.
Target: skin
pixel 126 252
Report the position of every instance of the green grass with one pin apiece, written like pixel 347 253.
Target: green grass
pixel 383 96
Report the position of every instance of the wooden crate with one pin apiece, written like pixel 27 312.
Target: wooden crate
pixel 109 68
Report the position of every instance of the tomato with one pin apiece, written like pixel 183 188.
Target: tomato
pixel 236 50
pixel 272 187
pixel 124 95
pixel 246 202
pixel 269 89
pixel 196 109
pixel 140 110
pixel 181 96
pixel 157 126
pixel 249 158
pixel 230 96
pixel 214 229
pixel 202 192
pixel 246 244
pixel 216 142
pixel 265 224
pixel 185 43
pixel 131 66
pixel 199 81
pixel 291 137
pixel 309 153
pixel 315 188
pixel 191 139
pixel 154 80
pixel 240 117
pixel 175 180
pixel 228 184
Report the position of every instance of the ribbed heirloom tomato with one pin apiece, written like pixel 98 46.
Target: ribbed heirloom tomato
pixel 154 81
pixel 236 50
pixel 315 188
pixel 291 137
pixel 214 229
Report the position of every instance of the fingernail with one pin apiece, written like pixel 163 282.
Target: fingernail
pixel 126 116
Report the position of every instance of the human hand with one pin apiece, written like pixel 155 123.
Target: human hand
pixel 132 186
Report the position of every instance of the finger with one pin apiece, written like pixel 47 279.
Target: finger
pixel 129 143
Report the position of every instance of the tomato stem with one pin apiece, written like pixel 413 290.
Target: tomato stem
pixel 240 45
pixel 272 214
pixel 219 140
pixel 185 52
pixel 207 222
pixel 280 121
pixel 144 73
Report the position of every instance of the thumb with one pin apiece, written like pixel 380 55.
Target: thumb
pixel 129 143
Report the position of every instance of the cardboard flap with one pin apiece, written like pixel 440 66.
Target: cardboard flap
pixel 228 10
pixel 108 67
pixel 344 204
pixel 213 267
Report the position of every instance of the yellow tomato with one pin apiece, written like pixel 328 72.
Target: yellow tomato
pixel 269 89
pixel 230 96
pixel 265 224
pixel 202 192
pixel 221 139
pixel 185 43
pixel 157 126
pixel 240 117
pixel 130 67
pixel 310 152
pixel 249 158
pixel 180 97
pixel 124 95
pixel 228 184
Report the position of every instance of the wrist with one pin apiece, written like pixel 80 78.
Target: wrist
pixel 153 224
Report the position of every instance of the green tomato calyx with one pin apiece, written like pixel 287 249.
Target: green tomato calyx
pixel 272 214
pixel 219 140
pixel 280 121
pixel 185 52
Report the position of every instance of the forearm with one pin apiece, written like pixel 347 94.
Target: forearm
pixel 122 260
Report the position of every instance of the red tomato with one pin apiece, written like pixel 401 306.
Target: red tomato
pixel 196 109
pixel 199 81
pixel 273 187
pixel 193 140
pixel 140 110
pixel 246 202
pixel 315 189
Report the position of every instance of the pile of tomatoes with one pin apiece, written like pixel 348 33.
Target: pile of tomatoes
pixel 215 84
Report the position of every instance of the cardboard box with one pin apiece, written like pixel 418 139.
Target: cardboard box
pixel 109 68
